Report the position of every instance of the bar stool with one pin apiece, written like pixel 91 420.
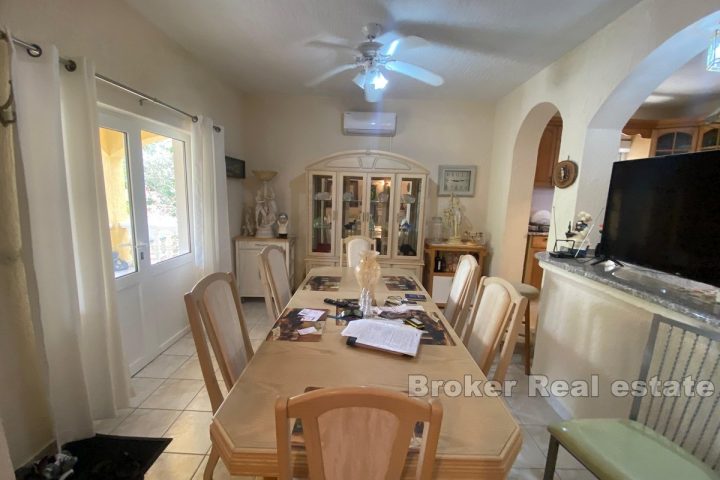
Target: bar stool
pixel 531 293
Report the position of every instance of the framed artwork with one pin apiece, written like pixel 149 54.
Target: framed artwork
pixel 234 167
pixel 457 179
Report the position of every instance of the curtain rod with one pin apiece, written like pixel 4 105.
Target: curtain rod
pixel 34 50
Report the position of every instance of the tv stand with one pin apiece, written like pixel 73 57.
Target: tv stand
pixel 605 258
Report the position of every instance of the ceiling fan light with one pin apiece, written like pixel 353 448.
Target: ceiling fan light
pixel 713 56
pixel 379 81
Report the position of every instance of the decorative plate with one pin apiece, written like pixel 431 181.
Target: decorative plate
pixel 565 173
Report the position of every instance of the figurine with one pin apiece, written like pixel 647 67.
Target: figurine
pixel 282 221
pixel 453 216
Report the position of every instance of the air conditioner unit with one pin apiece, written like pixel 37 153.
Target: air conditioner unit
pixel 378 124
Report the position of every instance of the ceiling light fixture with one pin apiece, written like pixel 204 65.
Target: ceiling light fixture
pixel 713 55
pixel 378 80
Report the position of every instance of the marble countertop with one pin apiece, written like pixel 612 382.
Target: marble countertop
pixel 683 296
pixel 538 234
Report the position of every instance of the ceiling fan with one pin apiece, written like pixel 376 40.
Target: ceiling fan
pixel 375 55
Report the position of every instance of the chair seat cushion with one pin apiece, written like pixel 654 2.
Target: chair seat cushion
pixel 624 449
pixel 527 291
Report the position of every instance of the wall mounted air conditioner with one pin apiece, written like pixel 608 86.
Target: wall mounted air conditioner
pixel 378 124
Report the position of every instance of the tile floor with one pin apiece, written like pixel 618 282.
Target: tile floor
pixel 170 401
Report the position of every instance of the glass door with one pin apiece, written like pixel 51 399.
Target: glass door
pixel 322 196
pixel 410 193
pixel 380 212
pixel 353 203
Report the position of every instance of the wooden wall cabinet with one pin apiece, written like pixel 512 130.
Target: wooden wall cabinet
pixel 669 141
pixel 377 194
pixel 438 283
pixel 548 153
pixel 247 266
pixel 532 273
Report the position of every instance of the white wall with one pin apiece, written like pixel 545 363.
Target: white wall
pixel 596 87
pixel 287 133
pixel 126 48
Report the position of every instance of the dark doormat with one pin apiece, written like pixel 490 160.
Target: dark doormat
pixel 110 457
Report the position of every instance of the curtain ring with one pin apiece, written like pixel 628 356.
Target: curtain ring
pixel 34 51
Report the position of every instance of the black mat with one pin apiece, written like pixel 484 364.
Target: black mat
pixel 110 457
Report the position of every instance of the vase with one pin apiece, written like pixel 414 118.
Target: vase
pixel 367 274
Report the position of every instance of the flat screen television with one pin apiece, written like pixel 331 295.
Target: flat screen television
pixel 664 213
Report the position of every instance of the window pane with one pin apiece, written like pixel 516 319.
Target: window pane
pixel 165 196
pixel 113 145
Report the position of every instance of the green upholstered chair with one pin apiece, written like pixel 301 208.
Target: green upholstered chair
pixel 666 437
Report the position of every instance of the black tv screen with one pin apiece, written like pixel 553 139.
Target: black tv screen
pixel 664 213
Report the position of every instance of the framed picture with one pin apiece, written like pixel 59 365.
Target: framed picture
pixel 234 167
pixel 457 179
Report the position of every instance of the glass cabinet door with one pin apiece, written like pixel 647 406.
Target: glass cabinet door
pixel 380 213
pixel 408 223
pixel 352 196
pixel 321 201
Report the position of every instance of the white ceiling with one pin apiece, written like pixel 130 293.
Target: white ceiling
pixel 483 48
pixel 690 92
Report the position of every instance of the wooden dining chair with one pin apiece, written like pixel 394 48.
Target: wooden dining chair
pixel 674 436
pixel 461 292
pixel 494 322
pixel 276 282
pixel 357 433
pixel 353 248
pixel 215 314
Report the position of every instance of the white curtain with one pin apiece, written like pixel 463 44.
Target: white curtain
pixel 70 241
pixel 210 216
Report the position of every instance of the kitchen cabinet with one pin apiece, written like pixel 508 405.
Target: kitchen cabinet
pixel 376 194
pixel 247 265
pixel 548 153
pixel 709 138
pixel 668 141
pixel 532 273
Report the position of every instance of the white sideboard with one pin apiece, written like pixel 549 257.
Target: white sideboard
pixel 247 266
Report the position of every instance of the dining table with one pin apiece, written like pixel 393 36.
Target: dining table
pixel 479 437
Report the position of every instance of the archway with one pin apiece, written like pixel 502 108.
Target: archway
pixel 605 127
pixel 524 161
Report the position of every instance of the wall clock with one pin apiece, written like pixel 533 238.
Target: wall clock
pixel 456 179
pixel 565 173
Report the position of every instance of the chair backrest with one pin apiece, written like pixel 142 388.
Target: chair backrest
pixel 461 290
pixel 275 278
pixel 674 352
pixel 215 314
pixel 354 246
pixel 497 314
pixel 357 432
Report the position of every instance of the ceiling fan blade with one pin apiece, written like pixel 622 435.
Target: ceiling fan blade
pixel 396 42
pixel 372 94
pixel 359 80
pixel 340 47
pixel 329 74
pixel 413 71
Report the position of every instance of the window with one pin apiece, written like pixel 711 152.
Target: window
pixel 146 186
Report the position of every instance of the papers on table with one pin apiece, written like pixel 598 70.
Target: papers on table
pixel 310 315
pixel 384 335
pixel 398 309
pixel 307 331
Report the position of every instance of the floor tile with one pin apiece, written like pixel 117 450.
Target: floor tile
pixel 107 425
pixel 146 423
pixel 220 472
pixel 143 388
pixel 163 366
pixel 190 433
pixel 190 370
pixel 528 474
pixel 184 346
pixel 173 394
pixel 201 402
pixel 530 455
pixel 532 410
pixel 174 466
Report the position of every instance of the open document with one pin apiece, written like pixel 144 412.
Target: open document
pixel 383 335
